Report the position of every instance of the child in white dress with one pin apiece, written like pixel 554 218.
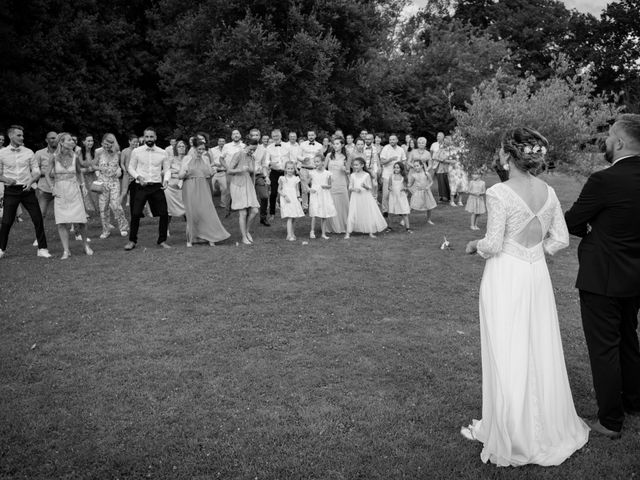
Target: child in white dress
pixel 364 214
pixel 320 199
pixel 290 196
pixel 475 201
pixel 398 199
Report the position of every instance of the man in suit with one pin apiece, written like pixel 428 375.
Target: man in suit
pixel 607 217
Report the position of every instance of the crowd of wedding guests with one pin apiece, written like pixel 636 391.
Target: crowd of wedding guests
pixel 346 184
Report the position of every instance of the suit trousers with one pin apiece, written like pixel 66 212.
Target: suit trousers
pixel 610 328
pixel 444 191
pixel 274 176
pixel 14 195
pixel 262 192
pixel 153 194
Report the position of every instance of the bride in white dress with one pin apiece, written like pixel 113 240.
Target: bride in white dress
pixel 528 416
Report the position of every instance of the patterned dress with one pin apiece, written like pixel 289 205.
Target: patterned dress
pixel 109 199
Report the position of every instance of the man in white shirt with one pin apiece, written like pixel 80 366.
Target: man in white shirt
pixel 172 144
pixel 294 148
pixel 373 162
pixel 308 151
pixel 219 179
pixel 19 172
pixel 440 154
pixel 261 175
pixel 390 154
pixel 277 156
pixel 228 151
pixel 438 144
pixel 150 167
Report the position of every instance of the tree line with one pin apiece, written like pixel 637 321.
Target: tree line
pixel 91 66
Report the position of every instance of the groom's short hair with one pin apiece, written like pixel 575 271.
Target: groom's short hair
pixel 629 123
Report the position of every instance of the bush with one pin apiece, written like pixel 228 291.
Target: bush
pixel 563 108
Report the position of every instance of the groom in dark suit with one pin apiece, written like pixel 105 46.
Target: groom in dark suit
pixel 607 217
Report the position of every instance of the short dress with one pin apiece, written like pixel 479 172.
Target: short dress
pixel 68 204
pixel 320 201
pixel 241 185
pixel 421 196
pixel 398 201
pixel 475 202
pixel 364 214
pixel 292 208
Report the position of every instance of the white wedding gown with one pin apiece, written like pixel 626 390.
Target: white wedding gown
pixel 528 415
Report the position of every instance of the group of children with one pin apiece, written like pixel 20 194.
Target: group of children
pixel 407 191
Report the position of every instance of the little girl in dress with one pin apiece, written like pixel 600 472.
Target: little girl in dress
pixel 364 214
pixel 290 196
pixel 320 199
pixel 398 200
pixel 420 186
pixel 475 202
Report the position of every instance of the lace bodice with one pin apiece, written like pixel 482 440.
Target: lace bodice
pixel 509 217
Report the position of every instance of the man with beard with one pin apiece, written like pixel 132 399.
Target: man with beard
pixel 390 155
pixel 277 156
pixel 228 151
pixel 150 167
pixel 19 172
pixel 43 158
pixel 261 175
pixel 307 152
pixel 606 216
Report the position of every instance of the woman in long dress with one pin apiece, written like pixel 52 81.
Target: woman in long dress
pixel 336 163
pixel 89 166
pixel 528 416
pixel 202 219
pixel 68 205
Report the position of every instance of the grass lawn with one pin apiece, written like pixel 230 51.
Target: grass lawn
pixel 331 360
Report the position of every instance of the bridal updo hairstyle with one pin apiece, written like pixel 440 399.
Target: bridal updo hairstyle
pixel 527 149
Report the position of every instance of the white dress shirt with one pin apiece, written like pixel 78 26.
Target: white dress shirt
pixel 262 160
pixel 150 163
pixel 308 152
pixel 19 164
pixel 229 150
pixel 389 152
pixel 277 154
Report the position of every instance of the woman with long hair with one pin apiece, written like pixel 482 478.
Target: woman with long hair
pixel 89 166
pixel 108 172
pixel 337 164
pixel 203 223
pixel 528 416
pixel 64 181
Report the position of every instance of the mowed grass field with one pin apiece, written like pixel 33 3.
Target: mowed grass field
pixel 336 359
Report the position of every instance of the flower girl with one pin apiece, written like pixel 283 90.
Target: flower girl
pixel 364 214
pixel 290 196
pixel 320 199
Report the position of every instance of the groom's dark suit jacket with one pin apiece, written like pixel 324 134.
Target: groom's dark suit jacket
pixel 609 254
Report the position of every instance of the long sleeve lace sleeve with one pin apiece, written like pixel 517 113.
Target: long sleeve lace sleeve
pixel 491 244
pixel 558 235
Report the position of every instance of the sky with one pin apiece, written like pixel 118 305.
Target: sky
pixel 594 7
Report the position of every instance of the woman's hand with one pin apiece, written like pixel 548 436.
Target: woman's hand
pixel 472 247
pixel 326 187
pixel 312 190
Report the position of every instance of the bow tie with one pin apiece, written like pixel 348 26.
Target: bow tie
pixel 312 143
pixel 17 149
pixel 277 145
pixel 149 149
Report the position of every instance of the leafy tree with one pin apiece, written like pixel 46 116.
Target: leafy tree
pixel 563 108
